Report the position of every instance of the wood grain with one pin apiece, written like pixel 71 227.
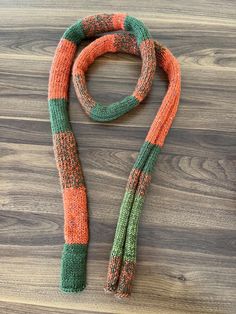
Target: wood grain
pixel 187 234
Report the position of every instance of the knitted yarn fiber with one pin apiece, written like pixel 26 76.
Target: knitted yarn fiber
pixel 121 267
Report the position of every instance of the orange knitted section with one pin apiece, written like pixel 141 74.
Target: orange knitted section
pixel 92 52
pixel 60 70
pixel 75 215
pixel 118 20
pixel 165 116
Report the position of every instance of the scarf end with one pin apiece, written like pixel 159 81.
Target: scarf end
pixel 73 268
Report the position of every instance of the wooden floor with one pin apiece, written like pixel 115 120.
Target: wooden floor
pixel 187 237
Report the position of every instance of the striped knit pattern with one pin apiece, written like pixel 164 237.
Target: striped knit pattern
pixel 121 269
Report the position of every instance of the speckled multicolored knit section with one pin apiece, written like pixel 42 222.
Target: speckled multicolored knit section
pixel 123 255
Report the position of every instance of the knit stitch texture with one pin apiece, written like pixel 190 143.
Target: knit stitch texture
pixel 121 268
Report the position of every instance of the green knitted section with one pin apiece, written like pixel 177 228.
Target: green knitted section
pixel 58 109
pixel 132 230
pixel 73 267
pixel 152 158
pixel 75 33
pixel 117 249
pixel 133 203
pixel 148 155
pixel 144 152
pixel 104 113
pixel 137 28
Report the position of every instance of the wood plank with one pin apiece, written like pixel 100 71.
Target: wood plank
pixel 200 10
pixel 22 308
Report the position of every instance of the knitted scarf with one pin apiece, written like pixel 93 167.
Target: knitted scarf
pixel 135 39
